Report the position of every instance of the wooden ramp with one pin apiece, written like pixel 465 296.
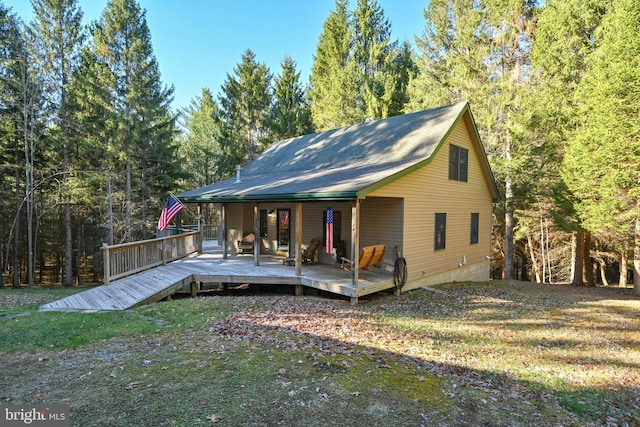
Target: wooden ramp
pixel 142 288
pixel 159 282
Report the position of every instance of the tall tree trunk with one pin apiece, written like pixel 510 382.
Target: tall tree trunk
pixel 128 204
pixel 624 266
pixel 508 221
pixel 16 229
pixel 636 259
pixel 588 262
pixel 68 246
pixel 579 259
pixel 603 272
pixel 534 261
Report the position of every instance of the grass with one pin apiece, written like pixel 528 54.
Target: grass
pixel 494 354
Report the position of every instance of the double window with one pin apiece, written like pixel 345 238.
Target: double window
pixel 458 163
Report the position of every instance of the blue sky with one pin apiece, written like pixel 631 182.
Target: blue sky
pixel 198 42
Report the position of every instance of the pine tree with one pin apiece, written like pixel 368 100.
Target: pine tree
pixel 609 133
pixel 374 53
pixel 290 113
pixel 245 102
pixel 563 41
pixel 11 149
pixel 139 123
pixel 479 51
pixel 58 36
pixel 201 148
pixel 334 87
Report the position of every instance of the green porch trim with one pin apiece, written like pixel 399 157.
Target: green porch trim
pixel 350 195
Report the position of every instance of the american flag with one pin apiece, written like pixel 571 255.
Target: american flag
pixel 329 231
pixel 284 217
pixel 172 208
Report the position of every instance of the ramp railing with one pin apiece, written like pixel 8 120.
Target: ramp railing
pixel 130 258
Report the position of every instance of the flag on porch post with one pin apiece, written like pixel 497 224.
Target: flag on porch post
pixel 329 231
pixel 172 208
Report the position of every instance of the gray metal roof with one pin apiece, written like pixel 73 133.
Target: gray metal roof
pixel 337 164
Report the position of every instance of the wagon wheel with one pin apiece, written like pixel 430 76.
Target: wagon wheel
pixel 400 272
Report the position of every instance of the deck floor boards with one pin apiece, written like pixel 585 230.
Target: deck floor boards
pixel 159 282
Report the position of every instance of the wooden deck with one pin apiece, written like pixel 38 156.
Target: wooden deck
pixel 159 282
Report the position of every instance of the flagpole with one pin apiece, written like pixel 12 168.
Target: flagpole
pixel 197 216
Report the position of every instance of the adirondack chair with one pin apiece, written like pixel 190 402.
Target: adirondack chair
pixel 309 254
pixel 378 254
pixel 364 260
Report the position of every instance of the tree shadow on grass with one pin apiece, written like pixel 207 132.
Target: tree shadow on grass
pixel 363 337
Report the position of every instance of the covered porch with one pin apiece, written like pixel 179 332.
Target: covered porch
pixel 284 229
pixel 213 266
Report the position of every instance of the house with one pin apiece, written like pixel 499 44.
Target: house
pixel 418 183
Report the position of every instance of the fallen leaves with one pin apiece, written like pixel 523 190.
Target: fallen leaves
pixel 132 385
pixel 213 418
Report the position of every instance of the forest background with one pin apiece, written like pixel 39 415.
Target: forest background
pixel 90 146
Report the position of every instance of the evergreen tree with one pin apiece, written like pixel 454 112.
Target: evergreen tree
pixel 58 36
pixel 608 198
pixel 374 54
pixel 333 91
pixel 290 113
pixel 563 41
pixel 141 146
pixel 201 148
pixel 245 102
pixel 479 51
pixel 11 151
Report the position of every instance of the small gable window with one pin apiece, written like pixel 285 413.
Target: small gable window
pixel 458 163
pixel 440 238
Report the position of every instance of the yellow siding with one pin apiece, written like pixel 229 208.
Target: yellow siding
pixel 429 191
pixel 312 226
pixel 381 223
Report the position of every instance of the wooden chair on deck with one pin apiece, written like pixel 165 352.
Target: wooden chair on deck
pixel 246 244
pixel 378 254
pixel 364 260
pixel 309 254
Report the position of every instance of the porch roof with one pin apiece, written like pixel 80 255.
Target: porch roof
pixel 339 164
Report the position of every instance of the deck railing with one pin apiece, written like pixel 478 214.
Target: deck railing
pixel 130 258
pixel 209 231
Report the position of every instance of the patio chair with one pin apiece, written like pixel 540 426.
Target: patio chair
pixel 364 261
pixel 378 254
pixel 246 244
pixel 309 254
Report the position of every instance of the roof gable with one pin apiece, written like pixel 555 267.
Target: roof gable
pixel 340 163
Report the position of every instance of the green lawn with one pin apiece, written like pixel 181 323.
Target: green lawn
pixel 490 354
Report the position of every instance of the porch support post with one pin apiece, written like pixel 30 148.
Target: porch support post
pixel 355 245
pixel 223 225
pixel 200 230
pixel 256 232
pixel 299 243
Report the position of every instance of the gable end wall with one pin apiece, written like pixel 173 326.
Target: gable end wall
pixel 428 191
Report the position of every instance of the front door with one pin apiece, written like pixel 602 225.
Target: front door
pixel 284 230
